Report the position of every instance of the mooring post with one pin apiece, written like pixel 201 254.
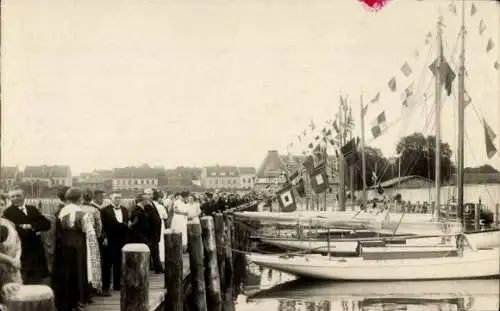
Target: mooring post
pixel 212 279
pixel 174 270
pixel 31 298
pixel 196 265
pixel 229 248
pixel 477 218
pixel 134 293
pixel 221 250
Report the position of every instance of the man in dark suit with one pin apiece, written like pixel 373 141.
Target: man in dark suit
pixel 115 226
pixel 139 222
pixel 155 224
pixel 29 223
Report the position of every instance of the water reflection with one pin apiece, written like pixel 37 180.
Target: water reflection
pixel 278 291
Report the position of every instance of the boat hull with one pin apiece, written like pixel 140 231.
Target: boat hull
pixel 482 239
pixel 479 264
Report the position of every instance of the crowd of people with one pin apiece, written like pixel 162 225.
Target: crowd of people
pixel 90 231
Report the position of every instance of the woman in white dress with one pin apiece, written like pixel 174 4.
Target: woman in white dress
pixel 194 210
pixel 179 221
pixel 162 211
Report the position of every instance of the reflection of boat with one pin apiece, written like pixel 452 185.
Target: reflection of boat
pixel 464 295
pixel 391 262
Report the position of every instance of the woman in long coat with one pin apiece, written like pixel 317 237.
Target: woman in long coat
pixel 70 262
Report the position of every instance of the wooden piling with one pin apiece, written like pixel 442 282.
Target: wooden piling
pixel 174 270
pixel 477 218
pixel 31 298
pixel 228 241
pixel 196 265
pixel 134 293
pixel 212 279
pixel 221 250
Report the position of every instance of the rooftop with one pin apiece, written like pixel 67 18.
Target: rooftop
pixel 394 181
pixel 9 172
pixel 137 172
pixel 47 171
pixel 246 170
pixel 222 171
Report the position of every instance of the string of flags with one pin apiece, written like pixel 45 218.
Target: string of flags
pixel 314 166
pixel 490 44
pixel 407 92
pixel 447 75
pixel 489 134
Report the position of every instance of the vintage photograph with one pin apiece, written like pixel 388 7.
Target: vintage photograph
pixel 250 155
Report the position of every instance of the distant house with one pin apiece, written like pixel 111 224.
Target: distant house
pixel 136 178
pixel 9 175
pixel 273 169
pixel 97 179
pixel 226 177
pixel 247 177
pixel 183 177
pixel 52 175
pixel 392 186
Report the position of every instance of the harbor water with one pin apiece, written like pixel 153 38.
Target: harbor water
pixel 268 290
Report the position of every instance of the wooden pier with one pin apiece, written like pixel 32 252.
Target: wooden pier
pixel 203 279
pixel 157 293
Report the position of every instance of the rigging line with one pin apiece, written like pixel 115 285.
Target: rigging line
pixel 413 160
pixel 474 158
pixel 427 124
pixel 479 114
pixel 471 148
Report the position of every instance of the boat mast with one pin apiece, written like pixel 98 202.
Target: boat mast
pixel 341 201
pixel 439 86
pixel 363 158
pixel 325 155
pixel 461 120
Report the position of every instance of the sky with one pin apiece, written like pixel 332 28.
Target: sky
pixel 103 84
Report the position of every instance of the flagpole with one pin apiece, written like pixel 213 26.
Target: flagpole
pixel 461 121
pixel 363 156
pixel 326 168
pixel 351 166
pixel 437 149
pixel 341 201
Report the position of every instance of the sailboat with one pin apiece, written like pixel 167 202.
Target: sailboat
pixel 414 228
pixel 419 261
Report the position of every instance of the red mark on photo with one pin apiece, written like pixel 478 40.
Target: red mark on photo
pixel 374 5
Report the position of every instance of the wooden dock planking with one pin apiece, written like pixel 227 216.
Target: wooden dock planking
pixel 157 293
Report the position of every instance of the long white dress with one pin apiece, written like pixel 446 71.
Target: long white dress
pixel 194 211
pixel 162 211
pixel 179 221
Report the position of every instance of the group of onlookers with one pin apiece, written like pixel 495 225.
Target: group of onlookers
pixel 89 231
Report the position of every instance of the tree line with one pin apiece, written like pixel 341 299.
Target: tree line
pixel 416 156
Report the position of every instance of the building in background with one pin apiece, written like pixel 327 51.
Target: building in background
pixel 227 177
pixel 136 178
pixel 220 177
pixel 247 177
pixel 271 174
pixel 95 180
pixel 9 176
pixel 183 178
pixel 51 175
